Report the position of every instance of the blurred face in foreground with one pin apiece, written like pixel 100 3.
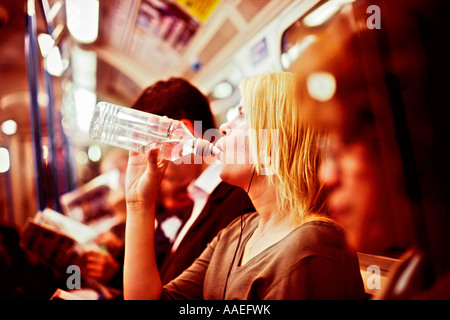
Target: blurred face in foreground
pixel 332 93
pixel 358 198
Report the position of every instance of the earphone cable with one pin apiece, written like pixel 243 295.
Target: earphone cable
pixel 240 234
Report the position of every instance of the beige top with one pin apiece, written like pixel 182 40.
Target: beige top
pixel 311 262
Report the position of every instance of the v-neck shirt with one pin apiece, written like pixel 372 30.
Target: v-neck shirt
pixel 311 262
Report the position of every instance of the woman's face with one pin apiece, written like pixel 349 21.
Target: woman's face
pixel 235 152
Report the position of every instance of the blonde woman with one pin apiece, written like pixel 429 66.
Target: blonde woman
pixel 287 249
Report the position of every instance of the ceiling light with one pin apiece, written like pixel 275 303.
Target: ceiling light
pixel 222 90
pixel 324 12
pixel 82 19
pixel 46 43
pixel 9 127
pixel 94 152
pixel 81 157
pixel 4 160
pixel 54 63
pixel 321 85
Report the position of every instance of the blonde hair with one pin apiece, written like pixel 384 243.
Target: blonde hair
pixel 292 156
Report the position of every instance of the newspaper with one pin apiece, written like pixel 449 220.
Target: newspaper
pixel 57 240
pixel 95 199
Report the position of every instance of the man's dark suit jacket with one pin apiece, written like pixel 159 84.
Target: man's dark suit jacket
pixel 223 205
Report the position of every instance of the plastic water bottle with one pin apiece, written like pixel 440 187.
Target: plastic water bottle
pixel 140 131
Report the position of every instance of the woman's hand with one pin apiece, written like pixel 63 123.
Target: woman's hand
pixel 143 178
pixel 141 275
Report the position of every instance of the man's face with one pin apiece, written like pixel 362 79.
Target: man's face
pixel 177 177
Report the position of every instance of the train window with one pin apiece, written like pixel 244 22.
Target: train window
pixel 293 42
pixel 297 37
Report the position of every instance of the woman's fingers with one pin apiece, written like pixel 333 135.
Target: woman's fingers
pixel 155 162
